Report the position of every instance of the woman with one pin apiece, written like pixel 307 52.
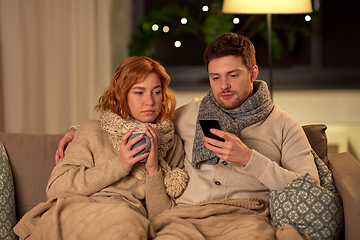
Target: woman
pixel 100 189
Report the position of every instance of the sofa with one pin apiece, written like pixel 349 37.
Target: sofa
pixel 31 159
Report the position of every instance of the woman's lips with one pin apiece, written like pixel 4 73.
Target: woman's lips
pixel 149 112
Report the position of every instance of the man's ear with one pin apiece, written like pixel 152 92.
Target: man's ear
pixel 254 73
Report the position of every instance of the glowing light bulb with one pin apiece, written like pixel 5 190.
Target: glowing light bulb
pixel 205 8
pixel 166 29
pixel 155 27
pixel 236 20
pixel 183 20
pixel 177 44
pixel 307 18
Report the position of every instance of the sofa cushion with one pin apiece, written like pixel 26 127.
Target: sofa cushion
pixel 316 210
pixel 32 158
pixel 317 138
pixel 7 197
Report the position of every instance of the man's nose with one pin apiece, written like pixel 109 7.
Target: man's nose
pixel 225 84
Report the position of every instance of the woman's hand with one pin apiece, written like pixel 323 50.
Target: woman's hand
pixel 152 164
pixel 127 154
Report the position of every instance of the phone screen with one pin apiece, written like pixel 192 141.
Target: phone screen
pixel 207 124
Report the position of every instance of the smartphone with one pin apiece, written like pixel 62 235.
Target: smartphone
pixel 207 124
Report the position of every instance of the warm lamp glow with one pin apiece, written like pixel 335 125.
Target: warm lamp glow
pixel 267 6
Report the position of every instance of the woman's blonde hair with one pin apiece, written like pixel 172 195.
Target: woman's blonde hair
pixel 131 71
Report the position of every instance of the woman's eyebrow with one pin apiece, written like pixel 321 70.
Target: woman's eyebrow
pixel 158 86
pixel 142 88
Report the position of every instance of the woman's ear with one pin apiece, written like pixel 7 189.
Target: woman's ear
pixel 254 73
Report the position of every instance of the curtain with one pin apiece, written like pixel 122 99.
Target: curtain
pixel 1 97
pixel 55 62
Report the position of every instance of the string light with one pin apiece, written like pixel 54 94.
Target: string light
pixel 205 8
pixel 177 44
pixel 307 18
pixel 166 29
pixel 236 20
pixel 155 27
pixel 184 20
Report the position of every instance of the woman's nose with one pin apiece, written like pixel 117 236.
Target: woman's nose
pixel 149 99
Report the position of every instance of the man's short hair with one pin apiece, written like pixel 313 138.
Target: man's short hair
pixel 231 44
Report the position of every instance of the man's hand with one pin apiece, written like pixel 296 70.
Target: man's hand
pixel 68 137
pixel 232 150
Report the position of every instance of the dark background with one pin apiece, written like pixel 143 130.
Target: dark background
pixel 328 59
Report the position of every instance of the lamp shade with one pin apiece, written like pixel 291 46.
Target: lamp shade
pixel 267 6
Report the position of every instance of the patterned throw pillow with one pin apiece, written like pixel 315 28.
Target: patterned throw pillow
pixel 7 198
pixel 316 210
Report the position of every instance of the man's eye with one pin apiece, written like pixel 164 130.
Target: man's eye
pixel 233 75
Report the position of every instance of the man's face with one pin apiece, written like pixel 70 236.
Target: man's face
pixel 230 81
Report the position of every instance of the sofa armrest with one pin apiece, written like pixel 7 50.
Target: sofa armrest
pixel 32 158
pixel 346 172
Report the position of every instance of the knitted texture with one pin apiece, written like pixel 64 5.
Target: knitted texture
pixel 252 110
pixel 7 198
pixel 316 210
pixel 175 180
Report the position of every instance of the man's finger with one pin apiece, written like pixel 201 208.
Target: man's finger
pixel 212 143
pixel 219 133
pixel 58 156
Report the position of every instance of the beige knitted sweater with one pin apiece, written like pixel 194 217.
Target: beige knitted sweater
pixel 91 168
pixel 281 153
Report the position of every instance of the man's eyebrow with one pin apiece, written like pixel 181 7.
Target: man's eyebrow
pixel 235 70
pixel 213 74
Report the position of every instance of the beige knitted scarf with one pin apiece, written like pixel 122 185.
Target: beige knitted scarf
pixel 116 127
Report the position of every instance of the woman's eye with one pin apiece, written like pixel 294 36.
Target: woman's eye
pixel 137 93
pixel 157 92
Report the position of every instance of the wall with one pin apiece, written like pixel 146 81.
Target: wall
pixel 338 109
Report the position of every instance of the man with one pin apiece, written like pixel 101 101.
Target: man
pixel 264 149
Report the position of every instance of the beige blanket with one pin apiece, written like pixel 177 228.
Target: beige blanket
pixel 227 219
pixel 76 217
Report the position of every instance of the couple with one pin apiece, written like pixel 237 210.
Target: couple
pixel 100 188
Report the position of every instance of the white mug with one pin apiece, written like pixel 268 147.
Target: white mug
pixel 143 140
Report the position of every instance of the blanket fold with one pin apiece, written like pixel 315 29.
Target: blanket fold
pixel 225 219
pixel 78 217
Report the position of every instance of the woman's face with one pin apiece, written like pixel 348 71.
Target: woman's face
pixel 145 99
